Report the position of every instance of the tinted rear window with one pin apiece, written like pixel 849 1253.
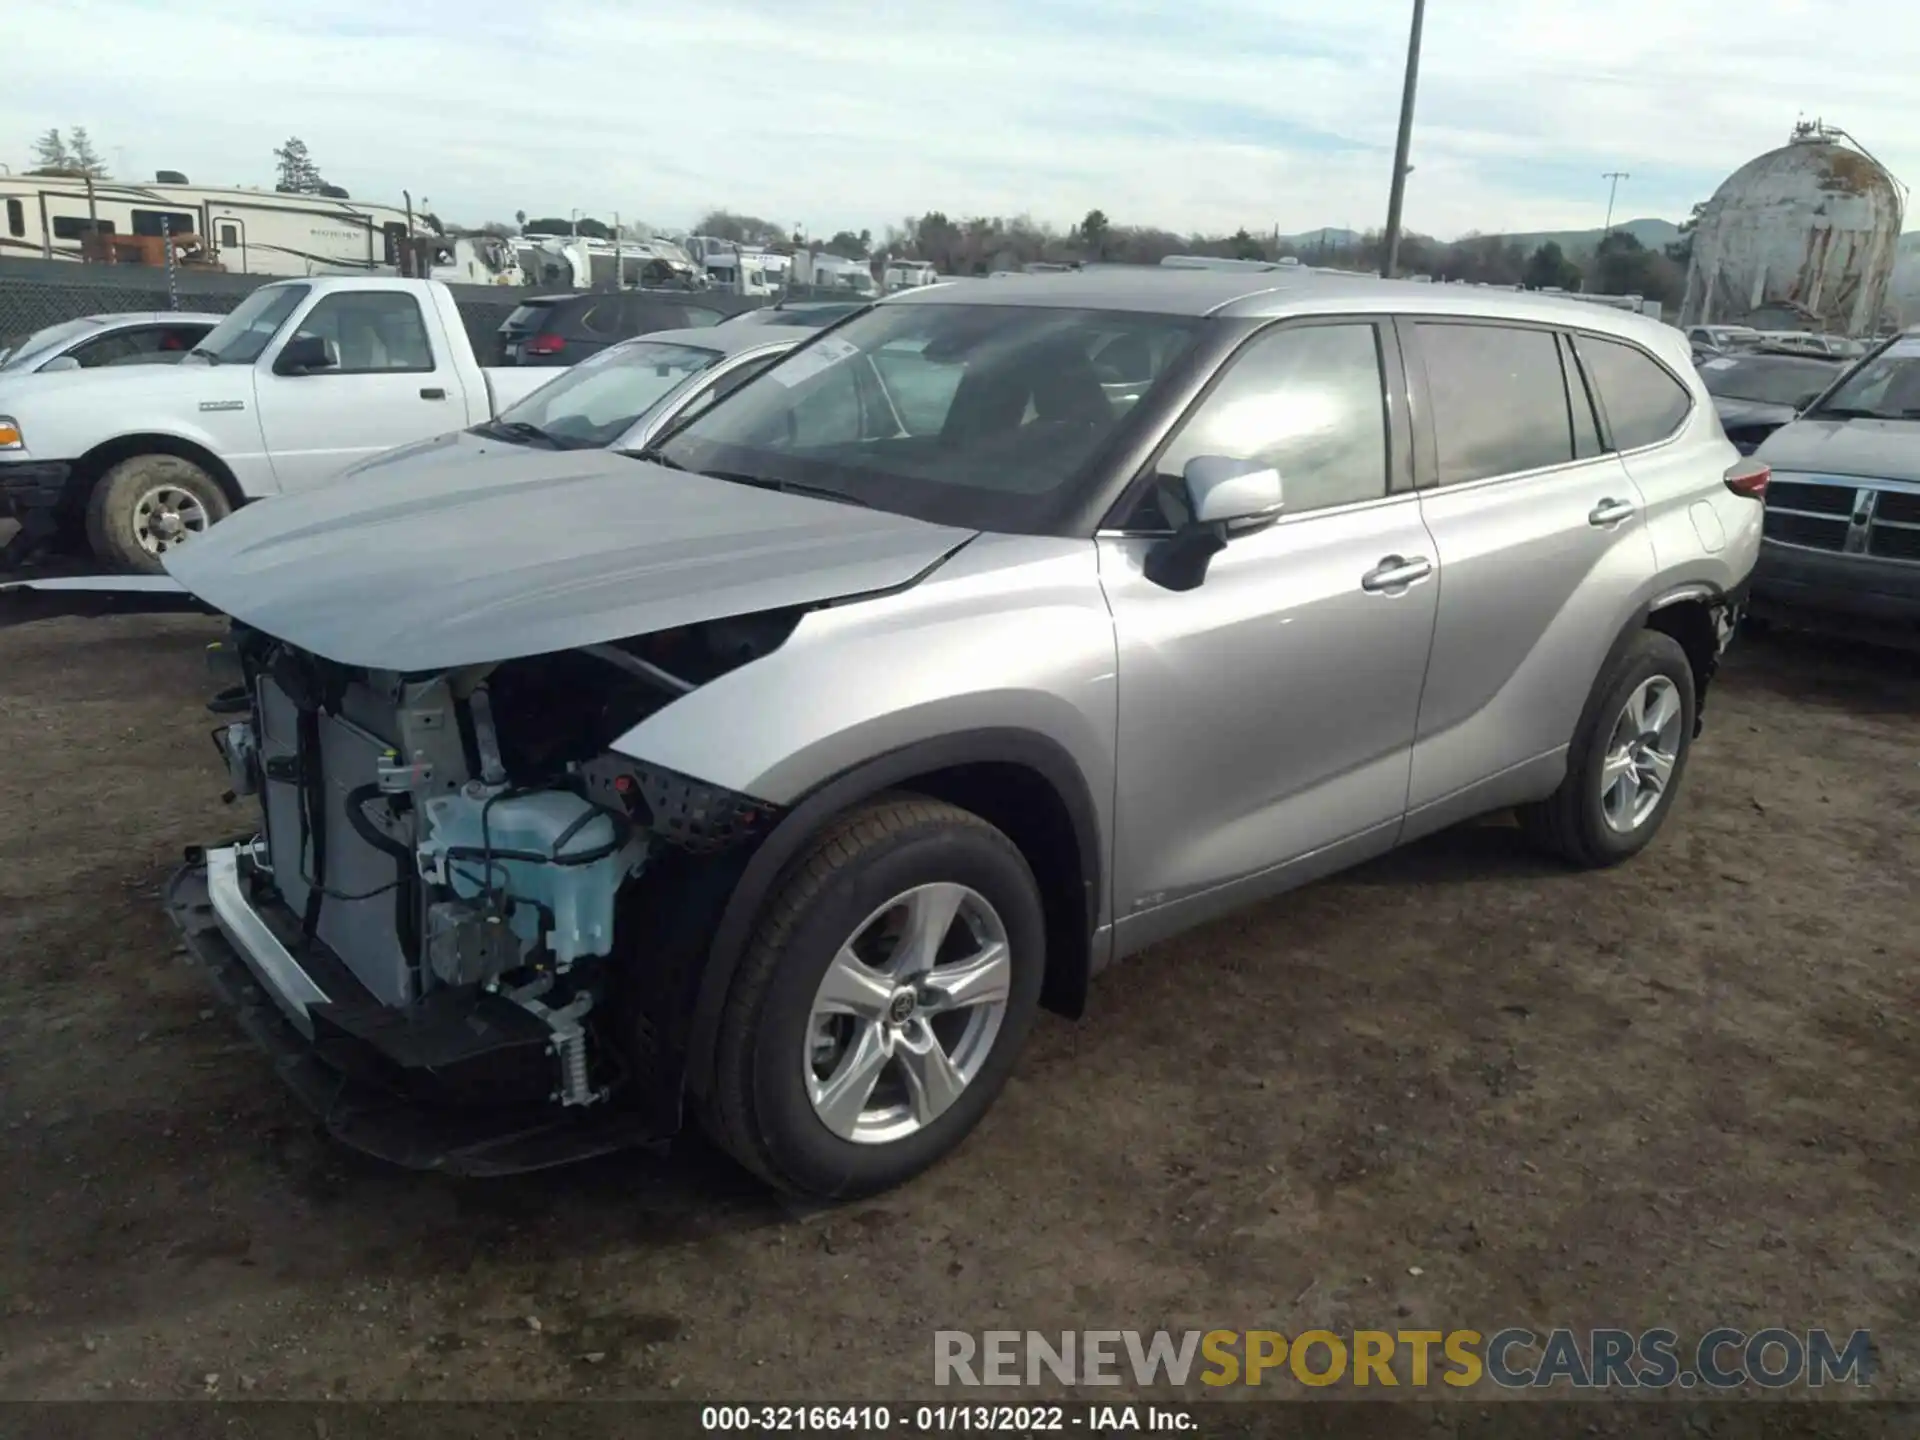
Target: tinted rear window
pixel 1499 402
pixel 528 317
pixel 1644 403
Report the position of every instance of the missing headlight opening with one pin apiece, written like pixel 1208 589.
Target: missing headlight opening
pixel 445 860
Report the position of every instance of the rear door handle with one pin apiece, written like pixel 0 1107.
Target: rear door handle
pixel 1396 572
pixel 1610 512
pixel 433 393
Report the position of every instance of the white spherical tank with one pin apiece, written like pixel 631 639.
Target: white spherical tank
pixel 1806 235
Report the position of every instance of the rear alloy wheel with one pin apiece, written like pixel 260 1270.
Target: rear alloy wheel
pixel 1625 764
pixel 882 1003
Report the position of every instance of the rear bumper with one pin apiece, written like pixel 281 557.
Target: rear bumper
pixel 1790 578
pixel 302 1006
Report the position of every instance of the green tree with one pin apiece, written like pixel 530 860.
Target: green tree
pixel 1096 231
pixel 851 246
pixel 50 154
pixel 298 175
pixel 1243 246
pixel 1549 269
pixel 1681 250
pixel 81 156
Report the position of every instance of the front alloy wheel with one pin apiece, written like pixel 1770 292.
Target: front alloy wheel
pixel 907 1013
pixel 882 1002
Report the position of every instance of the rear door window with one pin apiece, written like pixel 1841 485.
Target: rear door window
pixel 1498 399
pixel 527 319
pixel 1644 403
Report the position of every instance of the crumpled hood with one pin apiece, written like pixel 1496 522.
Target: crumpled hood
pixel 1872 449
pixel 427 566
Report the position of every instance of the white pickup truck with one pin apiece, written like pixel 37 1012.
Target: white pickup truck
pixel 304 379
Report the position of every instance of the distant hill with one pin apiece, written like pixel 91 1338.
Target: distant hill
pixel 1334 237
pixel 1575 244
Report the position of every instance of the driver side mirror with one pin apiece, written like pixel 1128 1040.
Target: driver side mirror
pixel 305 354
pixel 1215 498
pixel 59 363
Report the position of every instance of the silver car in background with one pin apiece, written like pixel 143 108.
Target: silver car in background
pixel 784 769
pixel 142 337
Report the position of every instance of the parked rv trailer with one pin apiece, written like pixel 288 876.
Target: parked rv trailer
pixel 245 231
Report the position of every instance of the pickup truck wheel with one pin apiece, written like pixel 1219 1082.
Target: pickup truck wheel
pixel 145 506
pixel 1625 765
pixel 882 1002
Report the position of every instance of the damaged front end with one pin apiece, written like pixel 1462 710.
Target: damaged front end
pixel 464 926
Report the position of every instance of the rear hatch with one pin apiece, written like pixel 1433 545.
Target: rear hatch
pixel 528 319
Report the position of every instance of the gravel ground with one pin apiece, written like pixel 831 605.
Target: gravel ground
pixel 1458 1087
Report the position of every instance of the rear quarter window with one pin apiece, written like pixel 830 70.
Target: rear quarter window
pixel 1644 403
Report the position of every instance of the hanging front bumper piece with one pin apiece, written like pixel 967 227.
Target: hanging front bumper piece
pixel 463 1081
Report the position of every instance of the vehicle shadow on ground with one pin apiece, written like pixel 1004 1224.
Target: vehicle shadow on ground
pixel 1818 668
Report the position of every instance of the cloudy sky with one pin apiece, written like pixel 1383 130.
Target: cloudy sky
pixel 1193 114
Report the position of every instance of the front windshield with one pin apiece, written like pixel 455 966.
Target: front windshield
pixel 249 329
pixel 20 352
pixel 1767 382
pixel 982 416
pixel 1886 387
pixel 597 401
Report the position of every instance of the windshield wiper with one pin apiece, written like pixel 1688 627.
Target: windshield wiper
pixel 787 487
pixel 759 482
pixel 1852 412
pixel 523 431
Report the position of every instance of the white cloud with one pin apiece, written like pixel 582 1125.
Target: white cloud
pixel 1210 116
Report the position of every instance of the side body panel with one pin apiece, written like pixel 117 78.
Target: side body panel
pixel 1012 632
pixel 1532 594
pixel 1266 715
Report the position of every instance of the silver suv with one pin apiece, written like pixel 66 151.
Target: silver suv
pixel 785 769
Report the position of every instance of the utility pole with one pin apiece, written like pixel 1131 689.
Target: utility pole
pixel 1403 146
pixel 1615 176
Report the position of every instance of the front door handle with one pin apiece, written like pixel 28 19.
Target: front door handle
pixel 1610 512
pixel 433 392
pixel 1396 572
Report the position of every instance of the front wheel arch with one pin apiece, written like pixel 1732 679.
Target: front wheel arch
pixel 90 467
pixel 938 767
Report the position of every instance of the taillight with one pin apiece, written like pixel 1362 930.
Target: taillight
pixel 543 345
pixel 1749 478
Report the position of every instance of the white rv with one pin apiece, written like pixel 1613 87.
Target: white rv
pixel 577 262
pixel 243 230
pixel 908 275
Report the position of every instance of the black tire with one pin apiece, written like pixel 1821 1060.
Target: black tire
pixel 758 1109
pixel 113 522
pixel 1571 822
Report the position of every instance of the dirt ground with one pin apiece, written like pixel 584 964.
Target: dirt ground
pixel 1459 1087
